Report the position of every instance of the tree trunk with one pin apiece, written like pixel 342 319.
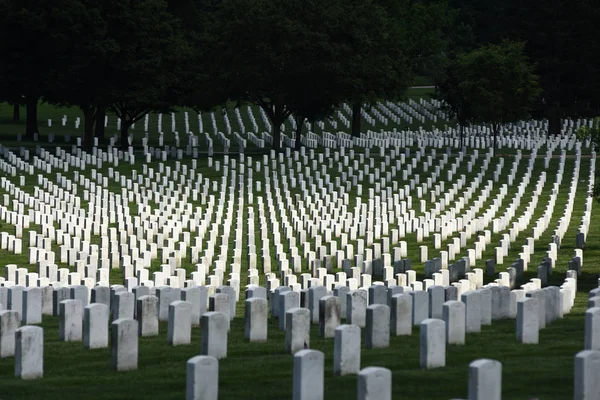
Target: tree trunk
pixel 496 127
pixel 31 125
pixel 554 125
pixel 125 135
pixel 16 111
pixel 356 119
pixel 276 133
pixel 299 124
pixel 462 136
pixel 89 116
pixel 99 128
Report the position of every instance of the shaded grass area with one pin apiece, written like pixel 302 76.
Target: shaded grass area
pixel 66 134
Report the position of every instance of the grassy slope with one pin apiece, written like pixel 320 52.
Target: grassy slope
pixel 264 371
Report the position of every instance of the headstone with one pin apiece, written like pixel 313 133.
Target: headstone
pixel 197 297
pixel 341 293
pixel 553 304
pixel 587 375
pixel 29 352
pixel 274 299
pixel 420 306
pixel 592 329
pixel 147 316
pixel 15 299
pixel 515 296
pixel 124 351
pixel 95 326
pixel 59 294
pixel 314 295
pixel 71 321
pixel 123 304
pixel 401 314
pixel 472 300
pixel 527 321
pixel 377 294
pixel 374 383
pixel 10 321
pixel 81 293
pixel 485 306
pixel 214 335
pixel 166 295
pixel 346 353
pixel 454 317
pixel 232 296
pixel 220 302
pixel 47 294
pixel 437 296
pixel 101 294
pixel 297 330
pixel 140 291
pixel 451 293
pixel 377 329
pixel 356 307
pixel 485 380
pixel 256 318
pixel 202 380
pixel 309 380
pixel 329 316
pixel 287 301
pixel 32 306
pixel 180 323
pixel 540 296
pixel 432 343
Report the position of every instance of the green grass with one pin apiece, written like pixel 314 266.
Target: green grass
pixel 422 80
pixel 264 370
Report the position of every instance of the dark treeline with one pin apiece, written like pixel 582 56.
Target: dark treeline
pixel 298 58
pixel 560 39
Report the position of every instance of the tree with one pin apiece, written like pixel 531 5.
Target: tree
pixel 202 67
pixel 376 62
pixel 493 84
pixel 146 68
pixel 79 78
pixel 560 38
pixel 591 132
pixel 310 110
pixel 28 44
pixel 94 54
pixel 454 99
pixel 276 54
pixel 386 42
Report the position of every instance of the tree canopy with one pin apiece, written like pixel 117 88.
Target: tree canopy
pixel 495 84
pixel 297 58
pixel 560 39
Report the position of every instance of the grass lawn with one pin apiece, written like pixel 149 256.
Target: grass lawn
pixel 264 371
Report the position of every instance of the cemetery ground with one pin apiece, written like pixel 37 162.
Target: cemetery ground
pixel 264 370
pixel 9 128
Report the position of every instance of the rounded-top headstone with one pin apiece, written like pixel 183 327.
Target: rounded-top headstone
pixel 202 381
pixel 374 383
pixel 485 380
